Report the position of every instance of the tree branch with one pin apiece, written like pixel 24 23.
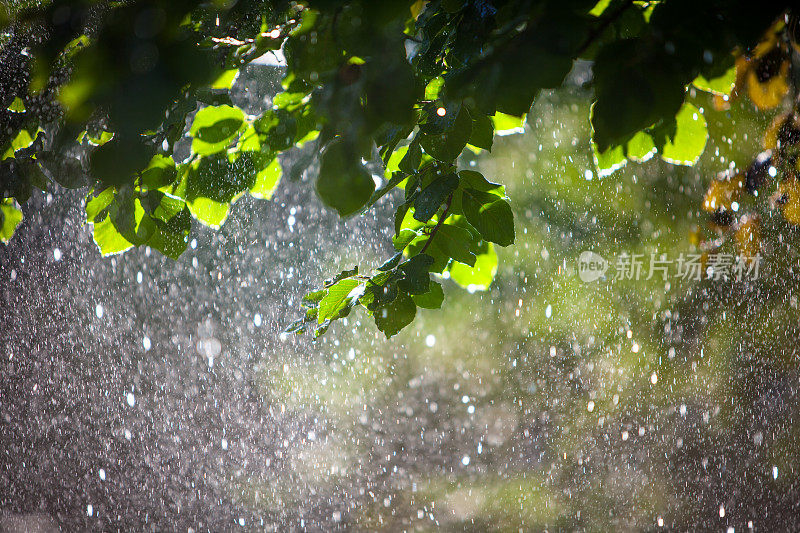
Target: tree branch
pixel 438 224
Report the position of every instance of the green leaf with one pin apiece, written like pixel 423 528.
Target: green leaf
pixel 277 129
pixel 432 196
pixel 312 299
pixel 403 238
pixel 344 274
pixel 218 178
pixel 480 276
pixel 609 161
pixel 600 7
pixel 447 146
pixel 119 160
pixel 336 299
pixel 640 148
pixel 490 215
pixel 433 88
pixel 267 180
pixel 391 263
pixel 23 139
pixel 452 241
pixel 17 105
pixel 249 141
pixel 172 234
pixel 160 172
pixel 635 93
pixel 226 79
pixel 108 239
pixel 99 138
pixel 394 316
pixel 721 85
pixel 412 159
pixel 508 124
pixel 434 297
pixel 689 140
pixel 96 207
pixel 214 128
pixel 209 212
pixel 476 180
pixel 416 270
pixel 482 134
pixel 130 218
pixel 393 164
pixel 343 183
pixel 10 219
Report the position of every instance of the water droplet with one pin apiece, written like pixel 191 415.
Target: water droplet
pixel 146 343
pixel 441 111
pixel 131 399
pixel 57 254
pixel 98 310
pixel 257 320
pixel 465 460
pixel 548 312
pixel 774 472
pixel 224 444
pixel 89 510
pixel 430 340
pixel 590 406
pixel 653 378
pixel 102 474
pixel 722 511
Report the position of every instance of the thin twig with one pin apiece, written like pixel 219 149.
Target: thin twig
pixel 438 224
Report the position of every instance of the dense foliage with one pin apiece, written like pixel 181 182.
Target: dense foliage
pixel 131 99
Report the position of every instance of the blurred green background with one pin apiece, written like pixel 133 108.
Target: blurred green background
pixel 547 403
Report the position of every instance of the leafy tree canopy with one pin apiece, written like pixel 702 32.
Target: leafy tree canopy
pixel 104 95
